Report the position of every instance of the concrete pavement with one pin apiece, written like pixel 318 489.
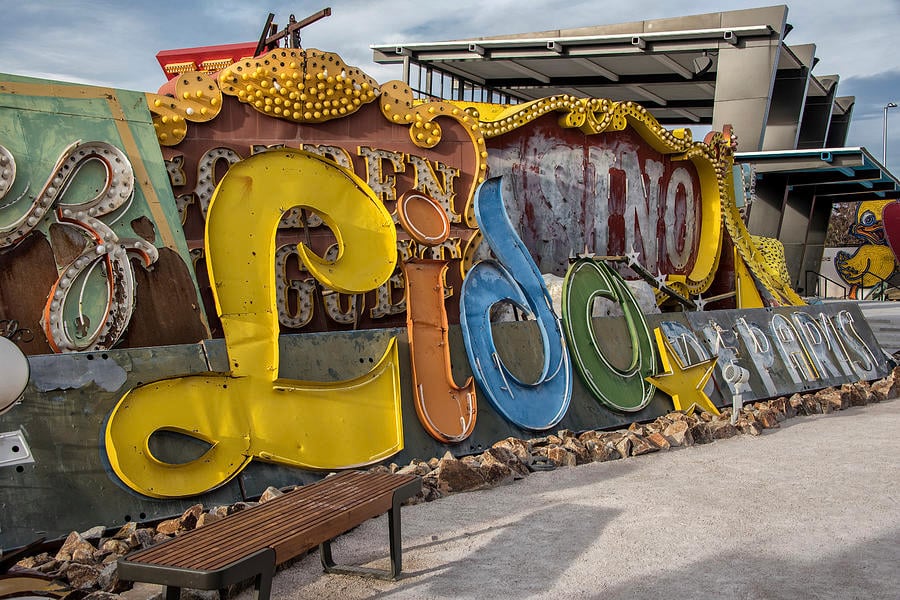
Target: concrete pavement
pixel 811 510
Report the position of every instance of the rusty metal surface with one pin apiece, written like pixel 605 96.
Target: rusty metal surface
pixel 61 416
pixel 607 194
pixel 86 177
pixel 380 153
pixel 27 272
pixel 69 488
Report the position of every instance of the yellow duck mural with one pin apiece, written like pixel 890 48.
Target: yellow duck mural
pixel 874 260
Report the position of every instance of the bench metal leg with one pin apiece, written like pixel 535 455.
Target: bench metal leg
pixel 260 566
pixel 329 565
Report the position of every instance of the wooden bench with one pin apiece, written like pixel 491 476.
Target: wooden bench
pixel 252 542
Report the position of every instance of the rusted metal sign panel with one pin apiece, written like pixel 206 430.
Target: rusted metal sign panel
pixel 83 193
pixel 62 417
pixel 381 141
pixel 607 194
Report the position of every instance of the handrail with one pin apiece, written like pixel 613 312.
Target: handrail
pixel 880 287
pixel 819 277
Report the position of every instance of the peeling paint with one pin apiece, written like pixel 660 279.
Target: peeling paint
pixel 74 371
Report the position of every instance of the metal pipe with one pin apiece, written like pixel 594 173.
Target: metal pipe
pixel 884 132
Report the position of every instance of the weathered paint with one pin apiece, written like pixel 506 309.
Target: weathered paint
pixel 396 145
pixel 684 383
pixel 513 277
pixel 445 409
pixel 63 427
pixel 242 415
pixel 874 261
pixel 618 387
pixel 88 199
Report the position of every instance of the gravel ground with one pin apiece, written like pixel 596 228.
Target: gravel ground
pixel 810 510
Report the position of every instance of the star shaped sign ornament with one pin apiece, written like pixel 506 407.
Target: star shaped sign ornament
pixel 683 383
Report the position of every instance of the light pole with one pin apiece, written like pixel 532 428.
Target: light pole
pixel 884 132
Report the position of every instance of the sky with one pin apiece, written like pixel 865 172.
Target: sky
pixel 114 42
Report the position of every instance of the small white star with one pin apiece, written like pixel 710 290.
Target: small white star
pixel 632 257
pixel 660 280
pixel 700 303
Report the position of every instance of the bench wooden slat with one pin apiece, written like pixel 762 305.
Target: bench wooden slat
pixel 218 547
pixel 312 525
pixel 245 518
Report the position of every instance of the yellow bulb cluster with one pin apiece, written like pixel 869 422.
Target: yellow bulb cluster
pixel 591 115
pixel 300 85
pixel 196 98
pixel 398 106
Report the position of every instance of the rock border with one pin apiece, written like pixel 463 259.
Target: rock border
pixel 84 568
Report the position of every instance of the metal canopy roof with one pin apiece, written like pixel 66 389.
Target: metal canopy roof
pixel 836 174
pixel 657 69
pixel 669 66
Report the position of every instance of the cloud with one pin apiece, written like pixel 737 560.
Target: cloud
pixel 866 126
pixel 112 43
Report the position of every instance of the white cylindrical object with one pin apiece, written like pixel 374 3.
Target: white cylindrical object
pixel 14 373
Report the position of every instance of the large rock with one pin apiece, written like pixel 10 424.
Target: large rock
pixel 749 427
pixel 239 506
pixel 169 526
pixel 678 434
pixel 881 389
pixel 659 440
pixel 637 428
pixel 82 576
pixel 578 450
pixel 33 562
pixel 270 493
pixel 510 459
pixel 601 449
pixel 622 444
pixel 859 393
pixel 207 518
pixel 455 476
pixel 783 409
pixel 75 543
pixel 560 456
pixel 188 519
pixel 812 405
pixel 833 399
pixel 94 533
pixel 416 467
pixel 767 417
pixel 721 429
pixel 144 591
pixel 108 579
pixel 495 471
pixel 141 538
pixel 640 445
pixel 520 448
pixel 700 432
pixel 894 378
pixel 126 531
pixel 115 546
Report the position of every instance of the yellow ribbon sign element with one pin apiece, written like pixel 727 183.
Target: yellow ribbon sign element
pixel 250 412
